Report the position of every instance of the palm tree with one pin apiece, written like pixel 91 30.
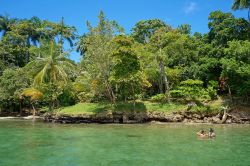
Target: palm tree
pixel 37 31
pixel 61 32
pixel 34 95
pixel 66 33
pixel 242 4
pixel 52 65
pixel 32 31
pixel 6 23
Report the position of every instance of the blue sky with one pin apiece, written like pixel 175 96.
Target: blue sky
pixel 125 12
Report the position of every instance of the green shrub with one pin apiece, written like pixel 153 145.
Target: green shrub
pixel 44 109
pixel 212 89
pixel 199 109
pixel 193 89
pixel 178 93
pixel 159 98
pixel 192 83
pixel 85 97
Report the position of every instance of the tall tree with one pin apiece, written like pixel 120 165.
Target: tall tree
pixel 12 83
pixel 29 31
pixel 13 49
pixel 96 50
pixel 143 30
pixel 61 32
pixel 184 29
pixel 170 49
pixel 37 30
pixel 6 23
pixel 225 27
pixel 242 4
pixel 126 66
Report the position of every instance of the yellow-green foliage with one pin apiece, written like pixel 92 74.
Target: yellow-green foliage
pixel 33 93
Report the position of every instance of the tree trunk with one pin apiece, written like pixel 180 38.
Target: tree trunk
pixel 116 89
pixel 165 79
pixel 110 93
pixel 133 91
pixel 249 14
pixel 113 96
pixel 20 107
pixel 161 67
pixel 52 100
pixel 230 94
pixel 224 118
pixel 167 89
pixel 27 58
pixel 34 111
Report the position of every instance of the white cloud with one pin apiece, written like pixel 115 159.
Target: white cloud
pixel 190 8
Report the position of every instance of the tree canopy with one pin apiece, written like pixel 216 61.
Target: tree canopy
pixel 154 62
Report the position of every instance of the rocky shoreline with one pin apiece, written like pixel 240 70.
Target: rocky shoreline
pixel 145 117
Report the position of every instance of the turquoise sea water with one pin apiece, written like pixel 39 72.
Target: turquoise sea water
pixel 24 143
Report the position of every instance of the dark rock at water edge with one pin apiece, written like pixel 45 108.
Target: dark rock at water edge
pixel 144 117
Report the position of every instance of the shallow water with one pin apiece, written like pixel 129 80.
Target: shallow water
pixel 24 143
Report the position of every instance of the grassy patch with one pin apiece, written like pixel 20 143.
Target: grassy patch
pixel 85 108
pixel 93 108
pixel 164 107
pixel 211 107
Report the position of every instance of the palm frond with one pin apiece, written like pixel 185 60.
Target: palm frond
pixel 39 78
pixel 61 73
pixel 33 93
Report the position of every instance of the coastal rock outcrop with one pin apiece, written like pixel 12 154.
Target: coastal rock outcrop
pixel 143 117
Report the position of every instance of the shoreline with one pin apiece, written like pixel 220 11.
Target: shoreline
pixel 108 117
pixel 139 117
pixel 78 120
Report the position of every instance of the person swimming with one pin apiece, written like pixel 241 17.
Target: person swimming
pixel 202 134
pixel 211 133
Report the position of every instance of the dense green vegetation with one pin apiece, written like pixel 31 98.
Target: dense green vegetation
pixel 170 67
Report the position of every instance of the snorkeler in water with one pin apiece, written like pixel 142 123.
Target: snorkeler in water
pixel 211 133
pixel 203 134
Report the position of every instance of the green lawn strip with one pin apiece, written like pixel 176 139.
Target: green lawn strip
pixel 84 108
pixel 93 108
pixel 160 107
